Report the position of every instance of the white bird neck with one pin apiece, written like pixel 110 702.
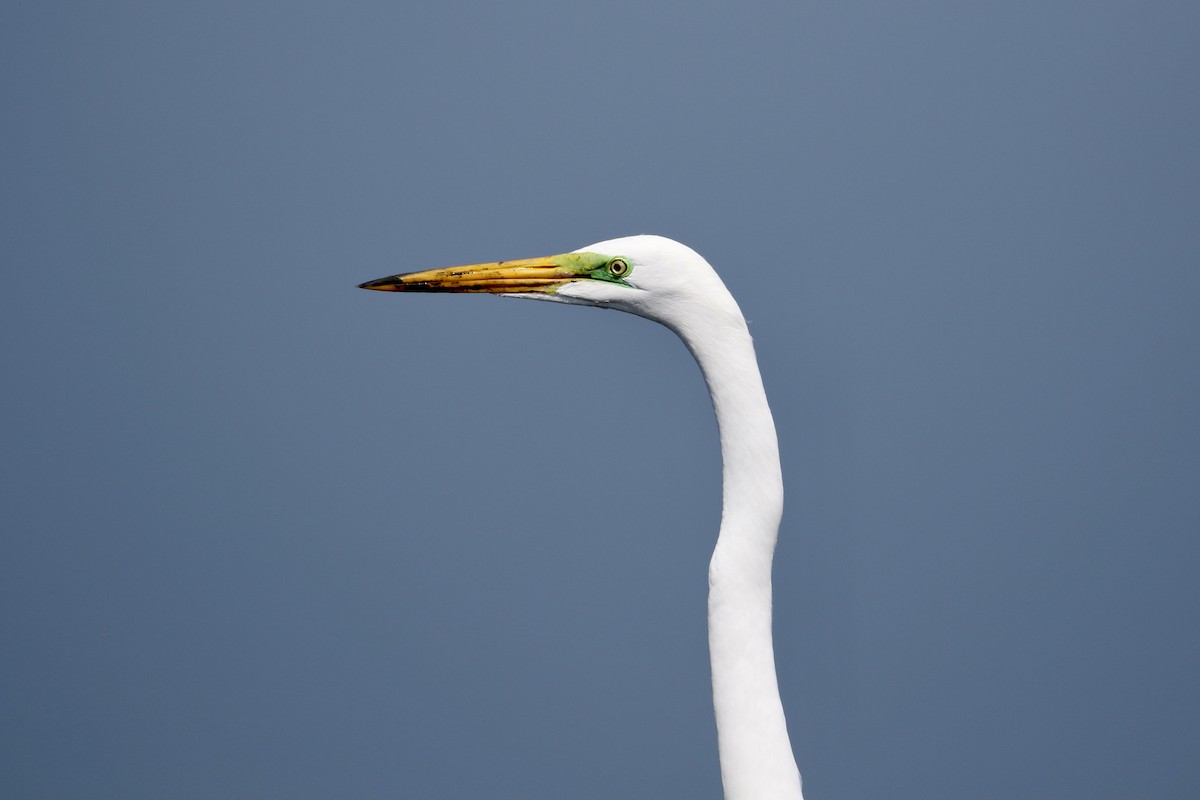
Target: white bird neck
pixel 756 755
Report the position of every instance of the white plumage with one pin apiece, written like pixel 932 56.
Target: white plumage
pixel 667 282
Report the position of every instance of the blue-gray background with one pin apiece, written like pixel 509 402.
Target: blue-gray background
pixel 266 535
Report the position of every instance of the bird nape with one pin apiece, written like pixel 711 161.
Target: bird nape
pixel 667 282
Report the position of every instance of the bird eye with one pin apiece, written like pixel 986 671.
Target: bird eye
pixel 618 267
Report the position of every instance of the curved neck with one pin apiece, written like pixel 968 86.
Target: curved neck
pixel 756 754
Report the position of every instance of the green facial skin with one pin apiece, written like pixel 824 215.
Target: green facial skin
pixel 595 266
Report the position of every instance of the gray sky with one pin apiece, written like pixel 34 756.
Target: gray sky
pixel 266 535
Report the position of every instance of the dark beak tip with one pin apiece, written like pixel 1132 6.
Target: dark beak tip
pixel 380 285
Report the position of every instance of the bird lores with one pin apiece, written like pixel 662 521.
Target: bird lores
pixel 667 282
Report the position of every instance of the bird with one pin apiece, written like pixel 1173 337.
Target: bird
pixel 668 282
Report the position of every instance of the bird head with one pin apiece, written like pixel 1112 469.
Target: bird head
pixel 650 276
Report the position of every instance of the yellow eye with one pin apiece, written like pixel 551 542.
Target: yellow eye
pixel 618 267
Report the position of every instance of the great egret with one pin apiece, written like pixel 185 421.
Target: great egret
pixel 667 282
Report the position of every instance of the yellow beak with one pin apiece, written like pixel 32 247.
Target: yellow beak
pixel 498 277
